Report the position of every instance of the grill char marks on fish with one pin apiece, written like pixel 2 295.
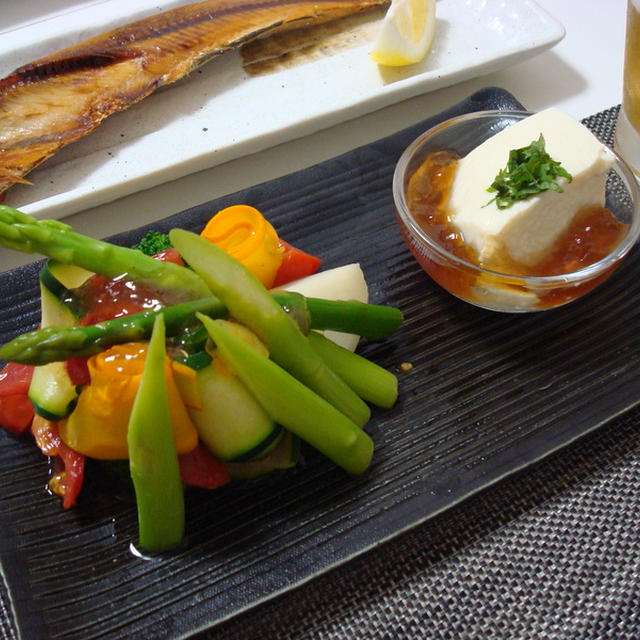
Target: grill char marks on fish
pixel 55 100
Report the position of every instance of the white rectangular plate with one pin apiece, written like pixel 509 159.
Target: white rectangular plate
pixel 221 112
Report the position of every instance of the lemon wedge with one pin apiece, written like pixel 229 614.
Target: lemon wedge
pixel 406 32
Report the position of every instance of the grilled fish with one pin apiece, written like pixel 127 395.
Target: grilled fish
pixel 55 100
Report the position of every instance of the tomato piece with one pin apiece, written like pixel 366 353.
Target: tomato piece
pixel 199 468
pixel 78 371
pixel 169 255
pixel 295 264
pixel 15 379
pixel 16 412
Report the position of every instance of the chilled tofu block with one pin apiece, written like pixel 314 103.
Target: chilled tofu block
pixel 526 231
pixel 495 295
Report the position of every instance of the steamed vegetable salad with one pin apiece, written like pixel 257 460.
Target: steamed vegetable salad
pixel 194 374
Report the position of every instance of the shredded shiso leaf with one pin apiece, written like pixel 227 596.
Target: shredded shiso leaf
pixel 530 170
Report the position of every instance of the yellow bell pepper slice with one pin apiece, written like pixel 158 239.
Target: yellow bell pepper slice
pixel 243 232
pixel 187 382
pixel 98 425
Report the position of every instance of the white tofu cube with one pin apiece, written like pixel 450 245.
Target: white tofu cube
pixel 527 230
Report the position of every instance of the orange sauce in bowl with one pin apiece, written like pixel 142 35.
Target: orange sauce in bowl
pixel 592 235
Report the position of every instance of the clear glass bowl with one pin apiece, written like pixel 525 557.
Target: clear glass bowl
pixel 490 289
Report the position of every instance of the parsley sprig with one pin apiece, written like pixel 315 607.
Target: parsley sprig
pixel 529 170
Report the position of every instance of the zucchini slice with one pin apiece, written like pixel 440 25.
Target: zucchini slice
pixel 284 456
pixel 58 278
pixel 231 422
pixel 51 392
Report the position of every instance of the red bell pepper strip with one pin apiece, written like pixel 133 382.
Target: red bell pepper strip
pixel 295 264
pixel 46 436
pixel 199 468
pixel 78 371
pixel 73 474
pixel 68 464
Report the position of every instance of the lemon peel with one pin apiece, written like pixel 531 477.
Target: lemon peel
pixel 406 33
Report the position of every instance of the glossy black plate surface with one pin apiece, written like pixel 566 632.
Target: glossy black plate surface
pixel 488 394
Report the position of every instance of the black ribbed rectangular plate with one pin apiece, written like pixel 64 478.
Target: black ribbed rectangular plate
pixel 488 394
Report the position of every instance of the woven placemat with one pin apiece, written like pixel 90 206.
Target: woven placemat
pixel 7 630
pixel 550 552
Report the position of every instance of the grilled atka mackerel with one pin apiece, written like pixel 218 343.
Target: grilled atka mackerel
pixel 55 100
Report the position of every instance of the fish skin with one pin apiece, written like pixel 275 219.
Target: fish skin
pixel 53 101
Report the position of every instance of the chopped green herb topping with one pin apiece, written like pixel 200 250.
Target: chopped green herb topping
pixel 153 242
pixel 529 170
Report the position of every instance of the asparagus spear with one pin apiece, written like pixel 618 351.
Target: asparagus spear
pixel 56 240
pixel 372 321
pixel 249 302
pixel 371 382
pixel 61 343
pixel 153 461
pixel 292 404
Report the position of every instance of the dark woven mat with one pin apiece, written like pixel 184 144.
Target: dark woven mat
pixel 7 630
pixel 550 552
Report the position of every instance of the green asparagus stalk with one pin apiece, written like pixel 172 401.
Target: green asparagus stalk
pixel 153 461
pixel 292 404
pixel 372 321
pixel 56 240
pixel 61 343
pixel 370 381
pixel 249 302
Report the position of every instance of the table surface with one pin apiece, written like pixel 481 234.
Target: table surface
pixel 582 75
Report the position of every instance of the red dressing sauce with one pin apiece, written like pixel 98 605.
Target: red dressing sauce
pixel 103 298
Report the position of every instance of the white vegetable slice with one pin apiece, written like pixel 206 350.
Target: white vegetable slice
pixel 342 283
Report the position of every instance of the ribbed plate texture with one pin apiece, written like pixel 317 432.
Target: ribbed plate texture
pixel 487 394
